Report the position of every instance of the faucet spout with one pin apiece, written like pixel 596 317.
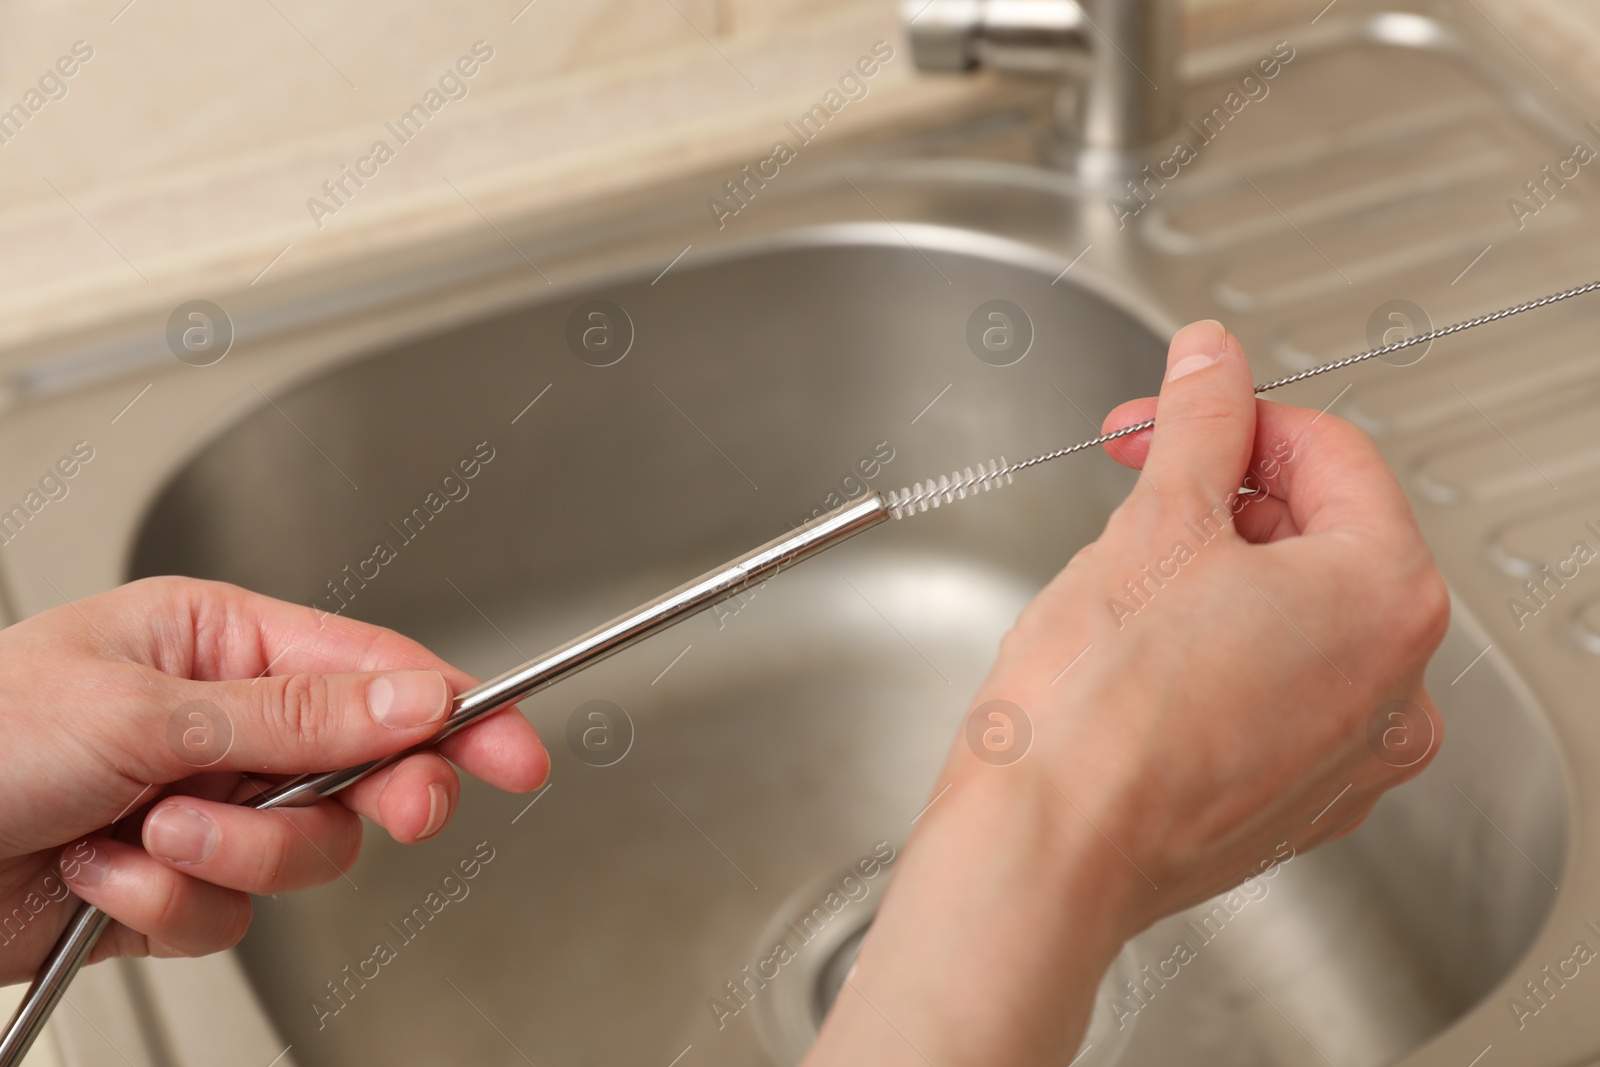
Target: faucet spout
pixel 1117 60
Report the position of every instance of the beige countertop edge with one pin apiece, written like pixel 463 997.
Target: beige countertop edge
pixel 1556 37
pixel 432 210
pixel 416 205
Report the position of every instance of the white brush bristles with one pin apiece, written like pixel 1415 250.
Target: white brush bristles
pixel 948 488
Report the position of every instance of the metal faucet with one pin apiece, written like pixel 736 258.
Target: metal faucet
pixel 1117 60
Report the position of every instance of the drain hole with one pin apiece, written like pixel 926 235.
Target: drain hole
pixel 823 940
pixel 830 979
pixel 1103 1046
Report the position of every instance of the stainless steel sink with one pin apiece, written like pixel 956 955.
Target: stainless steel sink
pixel 775 743
pixel 797 729
pixel 748 760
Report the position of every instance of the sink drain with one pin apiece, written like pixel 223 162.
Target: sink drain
pixel 789 1014
pixel 1102 1045
pixel 830 979
pixel 824 944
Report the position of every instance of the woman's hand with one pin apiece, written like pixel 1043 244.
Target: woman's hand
pixel 1201 685
pixel 147 709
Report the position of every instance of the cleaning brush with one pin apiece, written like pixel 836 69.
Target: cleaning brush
pixel 949 488
pixel 923 495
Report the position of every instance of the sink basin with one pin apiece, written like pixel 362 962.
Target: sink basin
pixel 752 759
pixel 451 443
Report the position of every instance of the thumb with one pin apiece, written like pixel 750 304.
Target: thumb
pixel 1205 419
pixel 294 723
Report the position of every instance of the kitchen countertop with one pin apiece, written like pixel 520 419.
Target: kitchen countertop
pixel 122 205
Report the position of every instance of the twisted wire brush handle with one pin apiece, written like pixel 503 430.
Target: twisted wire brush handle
pixel 923 495
pixel 1338 364
pixel 77 941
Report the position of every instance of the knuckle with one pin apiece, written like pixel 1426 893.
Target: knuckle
pixel 1019 638
pixel 122 941
pixel 1341 432
pixel 1204 410
pixel 273 855
pixel 1351 826
pixel 169 911
pixel 1200 420
pixel 1400 775
pixel 1419 604
pixel 1082 555
pixel 1205 507
pixel 1438 736
pixel 235 925
pixel 160 584
pixel 299 711
pixel 1183 491
pixel 1433 606
pixel 350 851
pixel 1143 508
pixel 1329 433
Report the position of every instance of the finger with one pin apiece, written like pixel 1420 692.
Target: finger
pixel 502 749
pixel 1263 518
pixel 1433 738
pixel 1358 815
pixel 288 724
pixel 1328 471
pixel 260 852
pixel 177 912
pixel 232 633
pixel 1132 450
pixel 413 800
pixel 1205 419
pixel 309 722
pixel 213 631
pixel 1331 473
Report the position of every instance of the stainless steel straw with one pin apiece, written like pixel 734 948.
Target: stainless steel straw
pixel 72 949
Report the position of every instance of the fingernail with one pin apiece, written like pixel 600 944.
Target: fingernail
pixel 85 869
pixel 408 698
pixel 1195 347
pixel 438 811
pixel 544 754
pixel 180 834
